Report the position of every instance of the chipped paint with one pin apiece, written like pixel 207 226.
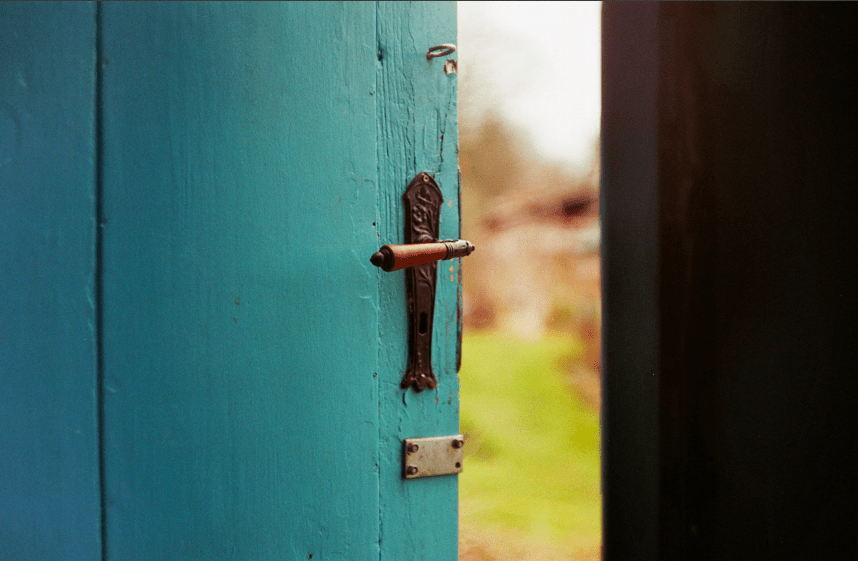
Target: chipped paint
pixel 417 131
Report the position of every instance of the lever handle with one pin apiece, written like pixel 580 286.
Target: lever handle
pixel 418 255
pixel 396 257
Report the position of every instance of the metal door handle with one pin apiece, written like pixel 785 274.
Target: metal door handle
pixel 396 257
pixel 418 256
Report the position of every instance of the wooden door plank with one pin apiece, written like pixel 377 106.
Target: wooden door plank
pixel 49 477
pixel 418 131
pixel 240 307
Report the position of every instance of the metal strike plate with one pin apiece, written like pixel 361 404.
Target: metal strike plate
pixel 437 455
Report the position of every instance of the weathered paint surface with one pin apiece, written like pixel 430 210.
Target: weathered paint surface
pixel 418 131
pixel 240 307
pixel 187 225
pixel 49 482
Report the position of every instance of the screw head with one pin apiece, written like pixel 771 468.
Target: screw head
pixel 458 443
pixel 413 447
pixel 411 470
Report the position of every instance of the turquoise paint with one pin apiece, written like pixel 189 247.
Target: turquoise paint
pixel 251 157
pixel 49 495
pixel 417 107
pixel 240 306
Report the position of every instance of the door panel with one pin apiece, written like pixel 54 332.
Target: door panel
pixel 199 361
pixel 49 479
pixel 418 132
pixel 240 308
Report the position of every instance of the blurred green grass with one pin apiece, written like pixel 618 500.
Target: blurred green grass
pixel 532 447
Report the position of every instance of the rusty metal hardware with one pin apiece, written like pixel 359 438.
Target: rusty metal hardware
pixel 422 215
pixel 396 257
pixel 440 50
pixel 437 455
pixel 419 256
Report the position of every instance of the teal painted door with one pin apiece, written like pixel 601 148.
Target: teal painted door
pixel 219 174
pixel 50 506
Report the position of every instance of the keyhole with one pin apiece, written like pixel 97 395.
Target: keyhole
pixel 423 323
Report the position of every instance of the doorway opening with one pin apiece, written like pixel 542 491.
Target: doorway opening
pixel 529 110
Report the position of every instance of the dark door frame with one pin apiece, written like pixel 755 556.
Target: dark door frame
pixel 729 197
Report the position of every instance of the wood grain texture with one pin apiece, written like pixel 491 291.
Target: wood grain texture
pixel 240 308
pixel 49 479
pixel 417 132
pixel 252 156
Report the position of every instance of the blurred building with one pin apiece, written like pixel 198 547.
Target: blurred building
pixel 537 233
pixel 538 260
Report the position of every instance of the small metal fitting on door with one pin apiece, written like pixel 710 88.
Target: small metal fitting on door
pixel 436 455
pixel 441 50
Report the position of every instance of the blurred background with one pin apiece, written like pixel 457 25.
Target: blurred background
pixel 529 110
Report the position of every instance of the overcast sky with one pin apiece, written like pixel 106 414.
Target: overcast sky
pixel 540 64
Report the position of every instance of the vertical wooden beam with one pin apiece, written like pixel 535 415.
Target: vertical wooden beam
pixel 630 255
pixel 240 307
pixel 49 475
pixel 418 131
